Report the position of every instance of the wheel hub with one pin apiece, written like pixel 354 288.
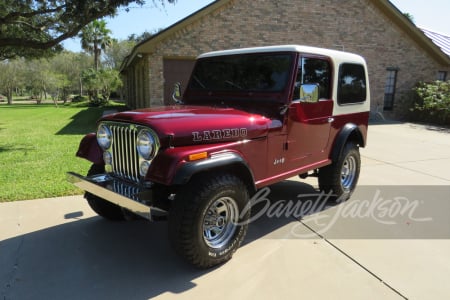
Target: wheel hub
pixel 219 223
pixel 348 172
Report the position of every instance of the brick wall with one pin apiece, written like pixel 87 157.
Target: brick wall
pixel 350 25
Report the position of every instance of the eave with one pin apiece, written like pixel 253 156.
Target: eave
pixel 397 17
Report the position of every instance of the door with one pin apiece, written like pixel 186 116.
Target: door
pixel 309 123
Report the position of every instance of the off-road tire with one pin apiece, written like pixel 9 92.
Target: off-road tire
pixel 197 213
pixel 102 207
pixel 340 178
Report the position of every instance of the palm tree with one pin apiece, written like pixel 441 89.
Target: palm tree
pixel 95 37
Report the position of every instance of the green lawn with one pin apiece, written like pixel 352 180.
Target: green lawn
pixel 37 148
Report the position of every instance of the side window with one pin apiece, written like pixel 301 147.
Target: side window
pixel 351 84
pixel 314 70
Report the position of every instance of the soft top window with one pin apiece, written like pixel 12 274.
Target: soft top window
pixel 262 72
pixel 352 84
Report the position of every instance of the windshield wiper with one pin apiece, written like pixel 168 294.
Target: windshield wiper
pixel 199 82
pixel 233 84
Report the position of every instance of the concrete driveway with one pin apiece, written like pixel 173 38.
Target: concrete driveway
pixel 398 248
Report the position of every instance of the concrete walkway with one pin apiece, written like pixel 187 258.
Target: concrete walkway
pixel 396 249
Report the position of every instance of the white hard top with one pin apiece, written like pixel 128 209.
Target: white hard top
pixel 339 55
pixel 336 57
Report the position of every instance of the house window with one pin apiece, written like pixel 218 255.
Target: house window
pixel 389 89
pixel 442 76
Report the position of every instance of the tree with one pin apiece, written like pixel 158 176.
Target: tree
pixel 409 16
pixel 116 53
pixel 70 65
pixel 95 37
pixel 105 81
pixel 35 28
pixel 143 36
pixel 37 76
pixel 109 81
pixel 11 77
pixel 58 76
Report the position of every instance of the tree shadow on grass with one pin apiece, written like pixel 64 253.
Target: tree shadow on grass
pixel 83 122
pixel 8 148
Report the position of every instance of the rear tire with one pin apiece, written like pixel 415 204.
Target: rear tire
pixel 340 178
pixel 102 207
pixel 203 221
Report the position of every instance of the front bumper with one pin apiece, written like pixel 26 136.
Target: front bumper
pixel 134 198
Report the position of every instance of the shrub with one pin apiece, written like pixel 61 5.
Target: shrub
pixel 100 84
pixel 434 101
pixel 79 98
pixel 98 101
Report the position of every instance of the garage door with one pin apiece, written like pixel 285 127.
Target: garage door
pixel 176 70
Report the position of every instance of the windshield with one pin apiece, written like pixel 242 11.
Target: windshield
pixel 262 72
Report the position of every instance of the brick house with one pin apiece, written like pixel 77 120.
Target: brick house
pixel 397 52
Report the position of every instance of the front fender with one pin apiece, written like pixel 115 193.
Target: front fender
pixel 90 150
pixel 227 159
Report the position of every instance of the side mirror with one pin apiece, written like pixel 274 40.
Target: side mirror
pixel 176 94
pixel 309 93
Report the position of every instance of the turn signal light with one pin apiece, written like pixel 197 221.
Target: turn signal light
pixel 197 156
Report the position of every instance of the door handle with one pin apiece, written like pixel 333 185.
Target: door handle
pixel 330 120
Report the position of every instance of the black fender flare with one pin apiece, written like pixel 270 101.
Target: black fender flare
pixel 350 132
pixel 230 161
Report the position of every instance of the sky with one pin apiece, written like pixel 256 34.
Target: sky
pixel 146 18
pixel 429 14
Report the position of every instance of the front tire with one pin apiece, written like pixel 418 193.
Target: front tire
pixel 102 207
pixel 205 223
pixel 340 178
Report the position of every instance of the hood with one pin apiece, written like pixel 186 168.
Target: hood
pixel 188 125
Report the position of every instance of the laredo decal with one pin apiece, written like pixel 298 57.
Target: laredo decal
pixel 228 133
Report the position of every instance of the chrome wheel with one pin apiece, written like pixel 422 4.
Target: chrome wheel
pixel 348 172
pixel 219 222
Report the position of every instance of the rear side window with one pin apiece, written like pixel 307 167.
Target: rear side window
pixel 352 84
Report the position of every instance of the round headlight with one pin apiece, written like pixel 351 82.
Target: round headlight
pixel 145 144
pixel 104 137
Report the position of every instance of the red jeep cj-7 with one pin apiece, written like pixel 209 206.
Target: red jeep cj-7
pixel 248 118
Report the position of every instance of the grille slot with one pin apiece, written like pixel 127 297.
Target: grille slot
pixel 125 162
pixel 129 191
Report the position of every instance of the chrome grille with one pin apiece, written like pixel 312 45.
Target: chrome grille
pixel 125 162
pixel 129 191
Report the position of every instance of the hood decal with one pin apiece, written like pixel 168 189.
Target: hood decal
pixel 219 134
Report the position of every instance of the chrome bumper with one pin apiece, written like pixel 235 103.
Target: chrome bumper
pixel 131 197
